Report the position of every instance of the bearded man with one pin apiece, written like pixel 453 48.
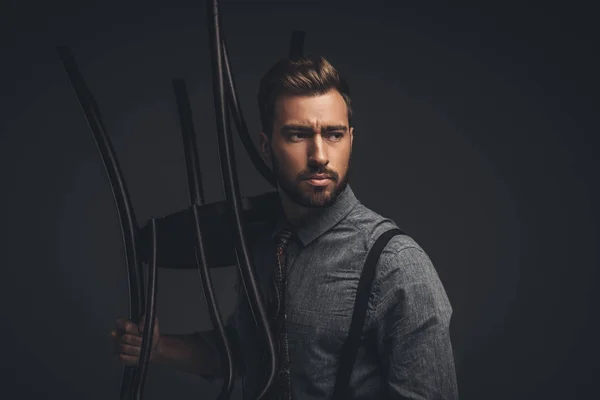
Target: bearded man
pixel 308 260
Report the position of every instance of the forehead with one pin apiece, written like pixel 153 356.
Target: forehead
pixel 327 108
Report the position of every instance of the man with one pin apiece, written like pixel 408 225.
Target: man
pixel 405 350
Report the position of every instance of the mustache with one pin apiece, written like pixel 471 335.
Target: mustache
pixel 329 174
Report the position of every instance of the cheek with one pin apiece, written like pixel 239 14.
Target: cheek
pixel 291 155
pixel 343 160
pixel 289 164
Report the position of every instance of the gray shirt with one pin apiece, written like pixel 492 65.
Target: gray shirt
pixel 405 352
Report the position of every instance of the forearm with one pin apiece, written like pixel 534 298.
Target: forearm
pixel 187 353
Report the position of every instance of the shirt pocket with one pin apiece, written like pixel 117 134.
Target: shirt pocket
pixel 315 341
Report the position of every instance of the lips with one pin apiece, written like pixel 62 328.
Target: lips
pixel 318 177
pixel 318 180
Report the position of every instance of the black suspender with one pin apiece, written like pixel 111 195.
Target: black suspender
pixel 350 347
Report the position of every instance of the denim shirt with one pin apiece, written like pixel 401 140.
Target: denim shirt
pixel 405 351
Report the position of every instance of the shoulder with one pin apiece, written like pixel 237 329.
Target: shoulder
pixel 403 266
pixel 370 225
pixel 402 254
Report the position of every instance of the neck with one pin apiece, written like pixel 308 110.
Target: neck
pixel 294 212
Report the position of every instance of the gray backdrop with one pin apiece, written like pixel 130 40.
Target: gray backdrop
pixel 473 132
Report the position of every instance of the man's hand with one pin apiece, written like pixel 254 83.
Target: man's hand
pixel 127 340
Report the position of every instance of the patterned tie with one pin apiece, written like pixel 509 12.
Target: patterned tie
pixel 282 389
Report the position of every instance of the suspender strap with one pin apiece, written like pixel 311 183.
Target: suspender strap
pixel 350 347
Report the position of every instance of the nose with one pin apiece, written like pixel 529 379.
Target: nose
pixel 317 153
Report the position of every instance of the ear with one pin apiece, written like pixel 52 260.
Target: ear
pixel 351 135
pixel 265 148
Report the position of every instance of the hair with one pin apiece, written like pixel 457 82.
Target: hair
pixel 305 76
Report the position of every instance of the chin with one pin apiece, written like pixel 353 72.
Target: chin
pixel 318 196
pixel 309 196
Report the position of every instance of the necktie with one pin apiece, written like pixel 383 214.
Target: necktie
pixel 282 389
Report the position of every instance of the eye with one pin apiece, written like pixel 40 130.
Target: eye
pixel 297 136
pixel 335 136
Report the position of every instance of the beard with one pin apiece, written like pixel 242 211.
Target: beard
pixel 316 196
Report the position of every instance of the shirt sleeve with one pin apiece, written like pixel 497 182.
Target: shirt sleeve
pixel 413 321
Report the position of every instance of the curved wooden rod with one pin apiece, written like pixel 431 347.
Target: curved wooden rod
pixel 127 218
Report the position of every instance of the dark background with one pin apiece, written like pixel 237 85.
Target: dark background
pixel 474 132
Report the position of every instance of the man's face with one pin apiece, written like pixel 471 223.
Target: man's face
pixel 311 136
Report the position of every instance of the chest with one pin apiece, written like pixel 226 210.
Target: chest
pixel 321 285
pixel 321 279
pixel 320 294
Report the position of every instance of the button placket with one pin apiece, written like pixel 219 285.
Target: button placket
pixel 279 317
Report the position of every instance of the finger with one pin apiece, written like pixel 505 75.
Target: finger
pixel 121 324
pixel 129 350
pixel 131 328
pixel 116 337
pixel 132 340
pixel 128 360
pixel 126 326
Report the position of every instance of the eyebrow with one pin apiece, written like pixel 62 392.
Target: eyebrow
pixel 309 129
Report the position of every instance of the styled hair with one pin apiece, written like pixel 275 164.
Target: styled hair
pixel 305 76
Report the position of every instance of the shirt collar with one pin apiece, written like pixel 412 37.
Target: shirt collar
pixel 320 222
